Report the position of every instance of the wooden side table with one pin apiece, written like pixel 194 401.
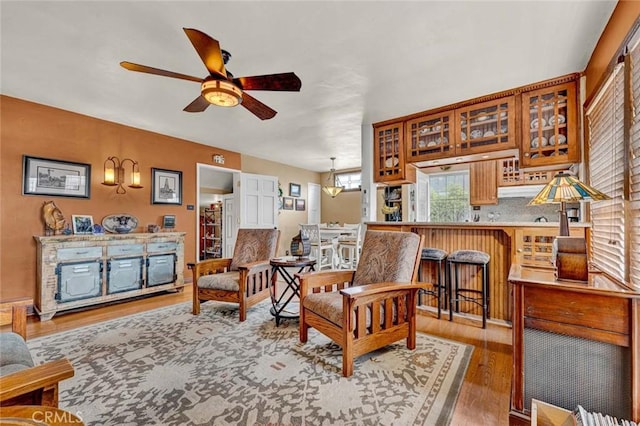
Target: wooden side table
pixel 24 415
pixel 574 343
pixel 283 305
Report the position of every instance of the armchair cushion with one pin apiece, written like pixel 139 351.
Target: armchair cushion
pixel 253 245
pixel 14 355
pixel 387 257
pixel 228 281
pixel 328 305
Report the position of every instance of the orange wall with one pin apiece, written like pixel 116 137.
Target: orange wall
pixel 42 131
pixel 620 23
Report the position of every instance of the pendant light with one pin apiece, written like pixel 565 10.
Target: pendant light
pixel 331 188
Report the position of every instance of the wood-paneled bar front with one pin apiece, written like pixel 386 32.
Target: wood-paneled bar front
pixel 505 242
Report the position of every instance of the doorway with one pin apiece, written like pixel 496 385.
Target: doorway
pixel 214 184
pixel 313 203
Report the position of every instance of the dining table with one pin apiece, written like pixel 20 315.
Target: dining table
pixel 332 233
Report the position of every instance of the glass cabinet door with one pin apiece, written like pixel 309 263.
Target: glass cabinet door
pixel 388 152
pixel 430 137
pixel 549 126
pixel 485 127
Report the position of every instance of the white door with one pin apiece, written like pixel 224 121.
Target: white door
pixel 258 201
pixel 422 197
pixel 229 225
pixel 313 203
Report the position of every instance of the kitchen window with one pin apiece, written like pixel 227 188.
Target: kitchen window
pixel 449 197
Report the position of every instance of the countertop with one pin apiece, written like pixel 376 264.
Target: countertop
pixel 486 224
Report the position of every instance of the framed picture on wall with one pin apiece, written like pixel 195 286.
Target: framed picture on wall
pixel 294 190
pixel 166 186
pixel 300 204
pixel 169 221
pixel 45 176
pixel 287 203
pixel 82 224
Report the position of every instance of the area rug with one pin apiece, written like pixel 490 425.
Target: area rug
pixel 169 367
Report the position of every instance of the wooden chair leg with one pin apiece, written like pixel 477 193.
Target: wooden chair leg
pixel 411 338
pixel 347 357
pixel 304 328
pixel 196 301
pixel 243 308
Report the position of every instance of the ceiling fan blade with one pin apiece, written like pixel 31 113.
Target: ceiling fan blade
pixel 199 104
pixel 150 70
pixel 209 51
pixel 257 108
pixel 288 82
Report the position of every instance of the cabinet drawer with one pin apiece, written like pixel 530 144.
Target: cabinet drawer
pixel 125 250
pixel 161 247
pixel 590 311
pixel 79 253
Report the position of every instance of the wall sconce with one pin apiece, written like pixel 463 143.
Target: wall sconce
pixel 114 174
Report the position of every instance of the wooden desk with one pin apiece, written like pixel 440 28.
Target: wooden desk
pixel 572 339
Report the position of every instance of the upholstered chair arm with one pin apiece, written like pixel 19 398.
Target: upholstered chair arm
pixel 379 288
pixel 210 266
pixel 314 281
pixel 43 376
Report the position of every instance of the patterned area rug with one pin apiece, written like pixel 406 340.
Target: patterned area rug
pixel 169 367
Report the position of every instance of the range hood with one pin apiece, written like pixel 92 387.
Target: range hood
pixel 526 191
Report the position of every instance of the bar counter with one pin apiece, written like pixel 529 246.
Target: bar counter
pixel 501 240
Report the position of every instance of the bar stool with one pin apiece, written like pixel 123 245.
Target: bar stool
pixel 479 297
pixel 439 290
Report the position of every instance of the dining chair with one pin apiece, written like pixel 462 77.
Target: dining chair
pixel 349 246
pixel 323 250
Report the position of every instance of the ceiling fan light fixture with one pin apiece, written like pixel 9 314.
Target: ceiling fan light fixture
pixel 221 93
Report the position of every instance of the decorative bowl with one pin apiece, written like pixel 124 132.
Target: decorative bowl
pixel 123 229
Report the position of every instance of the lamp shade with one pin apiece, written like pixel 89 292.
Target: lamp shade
pixel 331 188
pixel 567 188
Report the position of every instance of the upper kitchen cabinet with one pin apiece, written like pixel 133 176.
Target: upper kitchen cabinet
pixel 486 127
pixel 483 183
pixel 430 137
pixel 389 155
pixel 549 126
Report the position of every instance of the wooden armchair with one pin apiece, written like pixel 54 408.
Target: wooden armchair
pixel 368 308
pixel 244 279
pixel 22 382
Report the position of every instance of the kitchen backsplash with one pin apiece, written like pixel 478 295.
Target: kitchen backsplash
pixel 517 210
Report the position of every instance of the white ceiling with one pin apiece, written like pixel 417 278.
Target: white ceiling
pixel 359 62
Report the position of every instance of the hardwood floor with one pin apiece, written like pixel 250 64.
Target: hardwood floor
pixel 484 399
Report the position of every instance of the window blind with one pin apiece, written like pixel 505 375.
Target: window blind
pixel 634 168
pixel 605 120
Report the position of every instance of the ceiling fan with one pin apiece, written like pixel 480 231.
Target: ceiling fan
pixel 220 87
